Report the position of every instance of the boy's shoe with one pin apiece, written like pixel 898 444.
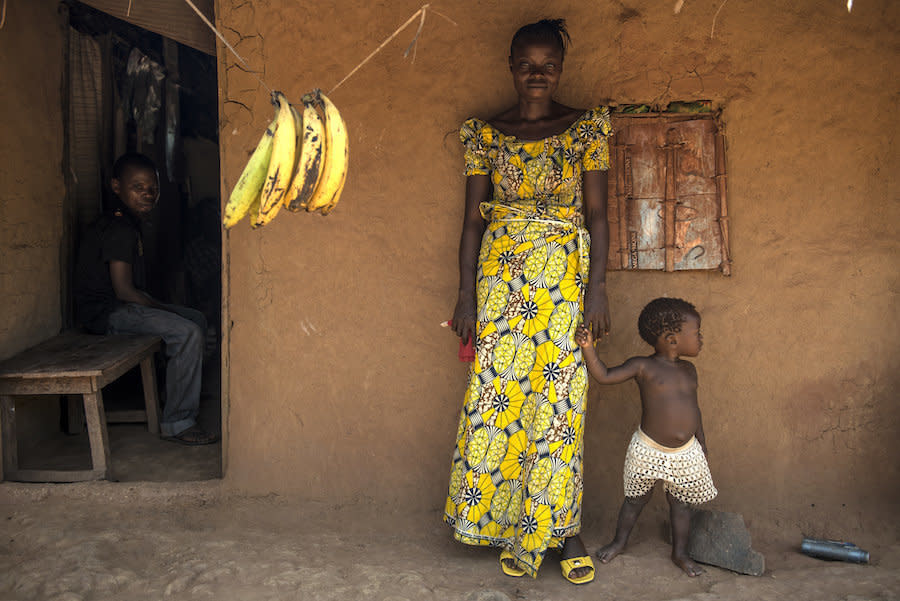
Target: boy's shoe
pixel 193 436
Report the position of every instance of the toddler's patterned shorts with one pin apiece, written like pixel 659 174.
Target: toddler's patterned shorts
pixel 684 470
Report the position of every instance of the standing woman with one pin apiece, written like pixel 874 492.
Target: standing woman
pixel 532 262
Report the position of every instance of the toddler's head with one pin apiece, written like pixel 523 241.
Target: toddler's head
pixel 664 316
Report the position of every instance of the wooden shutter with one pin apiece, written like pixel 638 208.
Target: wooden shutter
pixel 667 208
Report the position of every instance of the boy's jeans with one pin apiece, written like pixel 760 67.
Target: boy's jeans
pixel 183 331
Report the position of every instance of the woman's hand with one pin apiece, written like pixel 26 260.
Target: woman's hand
pixel 464 317
pixel 596 310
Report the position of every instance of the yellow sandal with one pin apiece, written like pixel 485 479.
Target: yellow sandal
pixel 568 565
pixel 516 571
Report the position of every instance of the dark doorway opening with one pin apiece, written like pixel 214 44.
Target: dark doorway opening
pixel 128 89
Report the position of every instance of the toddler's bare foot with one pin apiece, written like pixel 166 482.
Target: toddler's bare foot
pixel 688 565
pixel 607 553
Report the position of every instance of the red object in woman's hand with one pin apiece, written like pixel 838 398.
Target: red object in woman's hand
pixel 466 351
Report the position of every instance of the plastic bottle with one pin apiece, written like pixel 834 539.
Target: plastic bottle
pixel 833 549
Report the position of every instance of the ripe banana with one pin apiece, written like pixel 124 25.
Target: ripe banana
pixel 337 155
pixel 310 164
pixel 253 211
pixel 281 165
pixel 250 184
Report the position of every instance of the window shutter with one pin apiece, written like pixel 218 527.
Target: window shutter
pixel 667 208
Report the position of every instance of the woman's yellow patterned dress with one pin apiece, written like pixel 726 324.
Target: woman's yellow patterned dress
pixel 516 479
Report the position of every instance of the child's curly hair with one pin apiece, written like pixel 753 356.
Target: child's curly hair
pixel 662 316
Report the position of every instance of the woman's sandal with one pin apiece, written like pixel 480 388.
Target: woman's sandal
pixel 573 563
pixel 516 571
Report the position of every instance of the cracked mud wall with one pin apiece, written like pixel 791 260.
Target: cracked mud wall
pixel 344 388
pixel 31 183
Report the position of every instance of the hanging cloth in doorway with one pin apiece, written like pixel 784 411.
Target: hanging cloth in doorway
pixel 142 93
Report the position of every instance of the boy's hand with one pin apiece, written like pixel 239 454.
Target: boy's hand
pixel 583 336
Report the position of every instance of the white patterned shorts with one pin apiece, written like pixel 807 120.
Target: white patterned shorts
pixel 684 470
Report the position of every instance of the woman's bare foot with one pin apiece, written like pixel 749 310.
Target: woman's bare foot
pixel 573 547
pixel 688 565
pixel 608 552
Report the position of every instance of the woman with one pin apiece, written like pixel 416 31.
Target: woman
pixel 535 202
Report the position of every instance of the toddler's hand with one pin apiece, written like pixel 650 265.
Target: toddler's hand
pixel 583 336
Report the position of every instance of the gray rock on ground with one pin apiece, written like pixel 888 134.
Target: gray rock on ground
pixel 721 539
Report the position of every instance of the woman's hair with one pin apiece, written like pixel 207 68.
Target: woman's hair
pixel 662 316
pixel 545 31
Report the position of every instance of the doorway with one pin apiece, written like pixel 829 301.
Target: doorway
pixel 128 89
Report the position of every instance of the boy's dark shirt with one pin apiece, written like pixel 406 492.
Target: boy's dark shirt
pixel 114 236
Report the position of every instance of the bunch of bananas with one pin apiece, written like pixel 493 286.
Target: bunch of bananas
pixel 300 163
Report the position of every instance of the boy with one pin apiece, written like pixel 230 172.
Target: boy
pixel 109 296
pixel 670 444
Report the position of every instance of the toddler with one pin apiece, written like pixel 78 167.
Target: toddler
pixel 670 444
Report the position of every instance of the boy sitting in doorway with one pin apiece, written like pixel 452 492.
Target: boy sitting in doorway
pixel 669 445
pixel 110 296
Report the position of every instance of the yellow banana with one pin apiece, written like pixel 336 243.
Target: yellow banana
pixel 337 155
pixel 281 165
pixel 310 164
pixel 250 184
pixel 253 211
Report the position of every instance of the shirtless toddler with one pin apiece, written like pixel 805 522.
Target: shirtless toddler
pixel 669 445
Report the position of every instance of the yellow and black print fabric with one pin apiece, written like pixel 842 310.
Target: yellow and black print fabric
pixel 516 477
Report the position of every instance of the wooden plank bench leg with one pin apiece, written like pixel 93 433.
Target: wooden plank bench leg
pixel 96 423
pixel 151 398
pixel 10 452
pixel 9 444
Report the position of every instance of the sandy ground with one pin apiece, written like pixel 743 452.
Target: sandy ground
pixel 143 541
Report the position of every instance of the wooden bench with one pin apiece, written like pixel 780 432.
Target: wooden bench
pixel 74 363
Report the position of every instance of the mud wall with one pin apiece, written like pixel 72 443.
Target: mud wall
pixel 31 179
pixel 342 385
pixel 31 183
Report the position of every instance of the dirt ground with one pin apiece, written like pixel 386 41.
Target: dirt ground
pixel 151 541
